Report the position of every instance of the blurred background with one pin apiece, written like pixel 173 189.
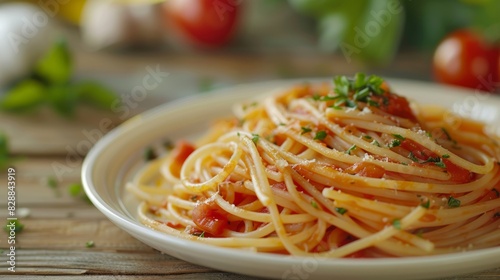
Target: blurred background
pixel 67 65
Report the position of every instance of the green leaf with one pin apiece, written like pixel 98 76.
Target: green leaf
pixel 55 66
pixel 95 94
pixel 320 135
pixel 315 8
pixel 453 202
pixel 255 137
pixel 63 99
pixel 4 146
pixel 89 244
pixel 350 149
pixel 341 210
pixel 305 130
pixel 359 80
pixel 394 143
pixel 374 32
pixel 18 227
pixel 149 154
pixel 24 96
pixel 396 223
pixel 4 151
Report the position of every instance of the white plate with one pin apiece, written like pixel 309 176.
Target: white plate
pixel 114 158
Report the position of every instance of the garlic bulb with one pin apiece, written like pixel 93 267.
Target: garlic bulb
pixel 27 32
pixel 109 24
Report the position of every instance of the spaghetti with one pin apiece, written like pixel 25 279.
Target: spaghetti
pixel 352 170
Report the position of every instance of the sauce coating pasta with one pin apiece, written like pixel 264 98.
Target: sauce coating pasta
pixel 349 170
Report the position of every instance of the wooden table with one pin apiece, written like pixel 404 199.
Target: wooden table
pixel 58 226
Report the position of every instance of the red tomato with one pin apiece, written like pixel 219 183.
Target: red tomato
pixel 463 58
pixel 210 218
pixel 206 23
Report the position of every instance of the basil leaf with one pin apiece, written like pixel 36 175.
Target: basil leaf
pixel 55 66
pixel 95 94
pixel 24 96
pixel 316 8
pixel 4 148
pixel 374 33
pixel 63 99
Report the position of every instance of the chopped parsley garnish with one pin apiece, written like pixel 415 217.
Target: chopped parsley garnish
pixel 367 137
pixel 445 156
pixel 412 157
pixel 436 160
pixel 376 143
pixel 149 154
pixel 168 145
pixel 18 227
pixel 372 103
pixel 426 204
pixel 320 135
pixel 440 164
pixel 341 210
pixel 453 202
pixel 314 204
pixel 305 130
pixel 352 148
pixel 396 223
pixel 52 182
pixel 255 137
pixel 399 137
pixel 394 143
pixel 350 91
pixel 76 190
pixel 89 244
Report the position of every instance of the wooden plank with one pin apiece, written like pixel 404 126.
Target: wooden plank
pixel 32 176
pixel 73 234
pixel 46 133
pixel 76 210
pixel 89 261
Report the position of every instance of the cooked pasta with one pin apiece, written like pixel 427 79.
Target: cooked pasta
pixel 348 170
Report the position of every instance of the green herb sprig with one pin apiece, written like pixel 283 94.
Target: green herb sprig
pixel 50 83
pixel 359 89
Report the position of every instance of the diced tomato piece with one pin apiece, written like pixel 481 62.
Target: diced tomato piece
pixel 182 150
pixel 210 218
pixel 366 169
pixel 180 153
pixel 419 151
pixel 458 174
pixel 394 104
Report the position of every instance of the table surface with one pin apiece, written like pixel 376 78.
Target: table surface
pixel 58 225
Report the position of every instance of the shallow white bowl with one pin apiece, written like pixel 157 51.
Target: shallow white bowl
pixel 116 157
